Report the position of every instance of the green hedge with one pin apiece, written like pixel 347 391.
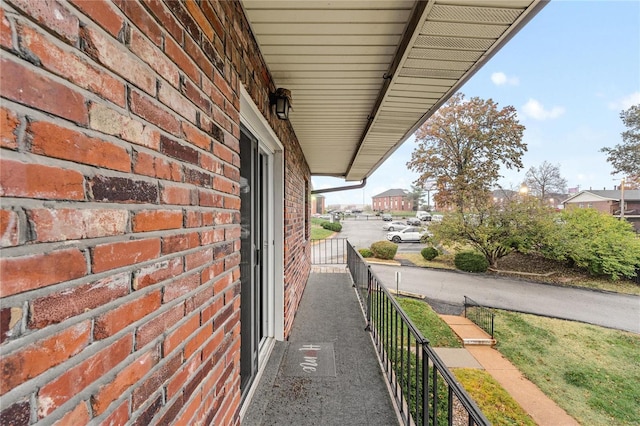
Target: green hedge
pixel 384 249
pixel 335 226
pixel 365 252
pixel 471 261
pixel 429 253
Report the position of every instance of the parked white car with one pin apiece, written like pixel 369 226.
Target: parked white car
pixel 411 233
pixel 393 226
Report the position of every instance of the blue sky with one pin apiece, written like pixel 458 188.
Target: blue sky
pixel 569 73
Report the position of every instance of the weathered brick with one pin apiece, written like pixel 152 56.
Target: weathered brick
pixel 177 195
pixel 193 93
pixel 196 137
pixel 158 325
pixel 53 15
pixel 175 149
pixel 70 66
pixel 177 55
pixel 123 380
pixel 118 416
pixel 197 177
pixel 71 224
pixel 116 319
pixel 197 259
pixel 180 286
pixel 185 19
pixel 177 102
pixel 193 50
pixel 199 18
pixel 115 255
pixel 9 228
pixel 10 318
pixel 71 382
pixel 141 19
pixel 179 335
pixel 57 307
pixel 209 198
pixel 16 414
pixel 198 299
pixel 38 181
pixel 103 13
pixel 30 361
pixel 110 53
pixel 78 416
pixel 197 340
pixel 180 242
pixel 172 412
pixel 20 274
pixel 156 220
pixel 9 123
pixel 148 109
pixel 166 19
pixel 30 87
pixel 107 120
pixel 146 417
pixel 157 272
pixel 5 31
pixel 59 142
pixel 154 57
pixel 158 167
pixel 194 219
pixel 211 163
pixel 120 189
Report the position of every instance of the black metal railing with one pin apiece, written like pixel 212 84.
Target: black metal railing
pixel 330 251
pixel 480 315
pixel 425 390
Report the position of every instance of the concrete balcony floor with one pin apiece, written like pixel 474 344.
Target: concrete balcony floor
pixel 328 372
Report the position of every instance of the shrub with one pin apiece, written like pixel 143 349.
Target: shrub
pixel 429 253
pixel 471 261
pixel 335 226
pixel 365 252
pixel 384 249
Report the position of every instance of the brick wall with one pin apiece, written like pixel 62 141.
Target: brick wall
pixel 119 224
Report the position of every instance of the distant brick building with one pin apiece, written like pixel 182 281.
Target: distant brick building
pixel 608 201
pixel 317 204
pixel 392 199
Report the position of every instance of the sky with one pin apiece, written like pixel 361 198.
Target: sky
pixel 569 73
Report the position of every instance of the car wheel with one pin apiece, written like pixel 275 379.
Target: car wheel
pixel 391 228
pixel 396 239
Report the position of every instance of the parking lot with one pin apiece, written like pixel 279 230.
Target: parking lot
pixel 362 231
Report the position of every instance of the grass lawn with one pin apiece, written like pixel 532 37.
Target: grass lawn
pixel 429 323
pixel 591 372
pixel 317 231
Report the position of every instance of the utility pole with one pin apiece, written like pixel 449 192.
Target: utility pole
pixel 622 199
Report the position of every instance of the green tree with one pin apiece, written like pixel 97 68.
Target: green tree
pixel 497 230
pixel 625 157
pixel 416 195
pixel 463 145
pixel 596 241
pixel 545 179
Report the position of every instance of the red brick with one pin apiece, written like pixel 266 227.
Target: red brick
pixel 194 51
pixel 179 151
pixel 196 137
pixel 145 418
pixel 58 142
pixel 197 259
pixel 158 325
pixel 9 123
pixel 107 120
pixel 156 220
pixel 180 242
pixel 209 198
pixel 223 152
pixel 76 417
pixel 130 375
pixel 177 55
pixel 177 102
pixel 52 15
pixel 116 319
pixel 115 255
pixel 37 181
pixel 5 31
pixel 166 19
pixel 154 57
pixel 118 416
pixel 10 319
pixel 212 271
pixel 179 335
pixel 30 361
pixel 194 219
pixel 211 236
pixel 198 299
pixel 148 109
pixel 113 55
pixel 197 341
pixel 32 88
pixel 20 274
pixel 143 21
pixel 177 195
pixel 102 12
pixel 179 287
pixel 232 203
pixel 71 382
pixel 9 228
pixel 71 224
pixel 16 414
pixel 157 272
pixel 155 382
pixel 70 66
pixel 177 382
pixel 57 307
pixel 199 17
pixel 211 163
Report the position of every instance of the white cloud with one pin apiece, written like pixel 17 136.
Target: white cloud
pixel 625 102
pixel 537 111
pixel 501 79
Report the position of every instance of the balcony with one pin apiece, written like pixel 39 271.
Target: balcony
pixel 354 357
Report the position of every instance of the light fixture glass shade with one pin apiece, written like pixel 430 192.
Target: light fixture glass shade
pixel 282 107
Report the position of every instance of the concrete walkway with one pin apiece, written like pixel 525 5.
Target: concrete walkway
pixel 543 410
pixel 328 372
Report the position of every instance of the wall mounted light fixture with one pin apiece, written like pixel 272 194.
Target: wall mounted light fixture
pixel 282 101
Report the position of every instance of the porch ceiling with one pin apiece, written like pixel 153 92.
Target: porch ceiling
pixel 364 75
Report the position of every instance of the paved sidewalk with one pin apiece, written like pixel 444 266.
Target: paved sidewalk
pixel 543 410
pixel 328 372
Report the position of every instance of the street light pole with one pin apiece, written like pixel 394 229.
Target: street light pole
pixel 622 199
